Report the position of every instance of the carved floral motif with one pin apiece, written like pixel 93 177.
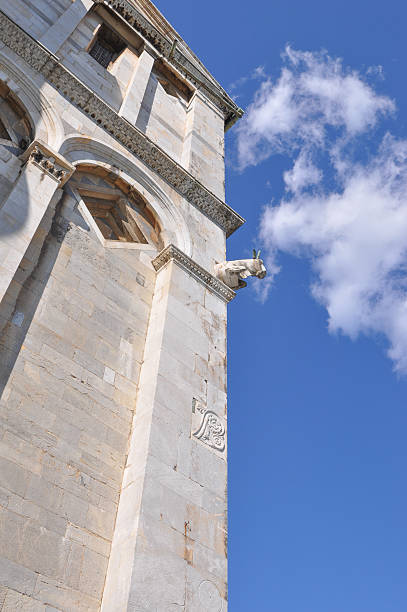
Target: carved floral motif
pixel 211 430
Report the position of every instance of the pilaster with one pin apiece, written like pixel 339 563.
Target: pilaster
pixel 58 33
pixel 137 87
pixel 43 173
pixel 203 148
pixel 169 546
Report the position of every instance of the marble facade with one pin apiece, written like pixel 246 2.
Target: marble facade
pixel 113 443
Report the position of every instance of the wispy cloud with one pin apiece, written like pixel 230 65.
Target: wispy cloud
pixel 313 95
pixel 235 88
pixel 346 215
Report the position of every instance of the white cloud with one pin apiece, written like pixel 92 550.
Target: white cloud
pixel 256 74
pixel 303 173
pixel 353 229
pixel 313 93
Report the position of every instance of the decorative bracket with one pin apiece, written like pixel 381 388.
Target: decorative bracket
pixel 49 161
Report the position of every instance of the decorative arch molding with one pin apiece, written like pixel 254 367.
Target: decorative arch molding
pixel 79 150
pixel 45 122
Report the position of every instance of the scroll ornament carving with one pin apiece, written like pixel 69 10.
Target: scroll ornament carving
pixel 171 252
pixel 210 597
pixel 131 137
pixel 211 431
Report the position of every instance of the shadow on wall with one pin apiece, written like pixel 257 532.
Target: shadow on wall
pixel 20 302
pixel 16 133
pixel 21 299
pixel 147 104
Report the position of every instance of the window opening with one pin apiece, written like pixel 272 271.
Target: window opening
pixel 3 132
pixel 171 84
pixel 119 210
pixel 107 46
pixel 115 219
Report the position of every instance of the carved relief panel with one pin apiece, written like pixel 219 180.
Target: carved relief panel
pixel 208 428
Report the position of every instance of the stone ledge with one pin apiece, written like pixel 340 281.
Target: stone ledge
pixel 172 253
pixel 49 66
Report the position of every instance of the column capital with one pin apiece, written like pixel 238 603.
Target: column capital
pixel 216 286
pixel 49 161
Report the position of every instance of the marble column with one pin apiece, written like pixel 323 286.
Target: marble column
pixel 203 148
pixel 131 104
pixel 60 31
pixel 169 546
pixel 43 173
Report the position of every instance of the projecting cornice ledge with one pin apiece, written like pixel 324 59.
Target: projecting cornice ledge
pixel 49 66
pixel 172 253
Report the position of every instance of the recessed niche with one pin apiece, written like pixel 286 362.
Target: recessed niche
pixel 119 211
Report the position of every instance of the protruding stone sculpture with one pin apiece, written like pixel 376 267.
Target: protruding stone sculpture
pixel 233 273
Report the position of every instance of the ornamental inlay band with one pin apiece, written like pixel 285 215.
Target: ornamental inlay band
pixel 171 252
pixel 41 60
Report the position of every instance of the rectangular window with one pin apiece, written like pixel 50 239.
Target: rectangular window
pixel 107 46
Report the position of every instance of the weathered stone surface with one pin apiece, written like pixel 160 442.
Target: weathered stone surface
pixel 113 423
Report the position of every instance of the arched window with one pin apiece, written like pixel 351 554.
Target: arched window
pixel 15 128
pixel 119 211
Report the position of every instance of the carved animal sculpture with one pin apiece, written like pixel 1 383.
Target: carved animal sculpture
pixel 233 273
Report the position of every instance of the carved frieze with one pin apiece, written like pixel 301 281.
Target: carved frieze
pixel 171 252
pixel 131 137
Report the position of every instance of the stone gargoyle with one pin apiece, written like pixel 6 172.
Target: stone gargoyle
pixel 233 273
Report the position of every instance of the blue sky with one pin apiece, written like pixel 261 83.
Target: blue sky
pixel 317 406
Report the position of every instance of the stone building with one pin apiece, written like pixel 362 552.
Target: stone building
pixel 113 297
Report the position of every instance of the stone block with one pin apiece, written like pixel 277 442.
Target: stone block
pixel 13 477
pixel 93 573
pixel 15 576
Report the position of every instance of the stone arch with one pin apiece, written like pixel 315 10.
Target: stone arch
pixel 79 150
pixel 44 121
pixel 15 126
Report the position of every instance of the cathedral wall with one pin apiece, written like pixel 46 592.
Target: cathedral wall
pixel 73 329
pixel 110 85
pixel 35 16
pixel 188 128
pixel 75 322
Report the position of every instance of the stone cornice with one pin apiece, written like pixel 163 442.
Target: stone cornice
pixel 44 62
pixel 176 58
pixel 172 253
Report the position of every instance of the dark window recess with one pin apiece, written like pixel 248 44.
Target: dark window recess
pixel 3 132
pixel 107 46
